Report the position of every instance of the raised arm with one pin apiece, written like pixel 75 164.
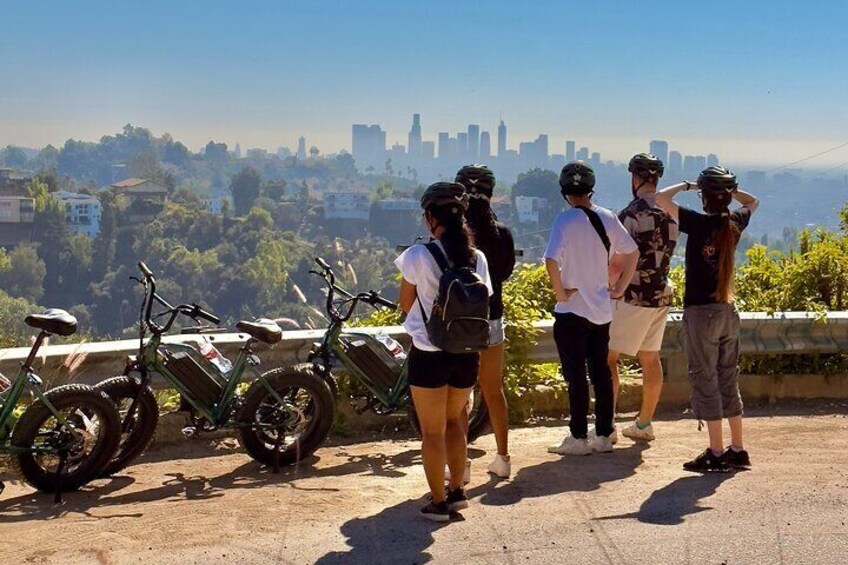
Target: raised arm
pixel 747 200
pixel 665 197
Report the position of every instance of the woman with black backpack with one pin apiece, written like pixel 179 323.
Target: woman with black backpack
pixel 495 240
pixel 444 292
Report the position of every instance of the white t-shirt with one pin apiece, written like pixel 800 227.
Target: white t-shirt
pixel 583 261
pixel 418 267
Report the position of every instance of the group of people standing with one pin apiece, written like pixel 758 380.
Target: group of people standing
pixel 609 273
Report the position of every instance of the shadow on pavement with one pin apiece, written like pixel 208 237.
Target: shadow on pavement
pixel 563 474
pixel 669 505
pixel 395 535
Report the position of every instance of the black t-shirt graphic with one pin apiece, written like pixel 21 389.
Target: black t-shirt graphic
pixel 701 254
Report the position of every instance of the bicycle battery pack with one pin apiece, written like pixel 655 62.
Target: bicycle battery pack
pixel 371 358
pixel 191 375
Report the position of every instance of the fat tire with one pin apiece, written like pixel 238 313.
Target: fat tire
pixel 301 376
pixel 24 433
pixel 147 411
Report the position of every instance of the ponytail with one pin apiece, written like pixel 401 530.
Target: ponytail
pixel 483 223
pixel 724 241
pixel 456 238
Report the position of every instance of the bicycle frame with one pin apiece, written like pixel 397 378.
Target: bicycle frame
pixel 25 379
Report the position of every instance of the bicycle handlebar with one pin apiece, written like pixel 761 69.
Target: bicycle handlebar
pixel 373 298
pixel 193 311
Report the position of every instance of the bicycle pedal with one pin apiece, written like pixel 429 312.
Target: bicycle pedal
pixel 189 431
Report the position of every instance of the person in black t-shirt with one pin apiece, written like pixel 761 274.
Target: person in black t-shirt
pixel 710 320
pixel 495 240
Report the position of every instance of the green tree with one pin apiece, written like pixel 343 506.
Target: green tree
pixel 50 231
pixel 24 275
pixel 245 190
pixel 13 157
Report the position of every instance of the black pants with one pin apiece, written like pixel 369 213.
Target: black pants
pixel 579 342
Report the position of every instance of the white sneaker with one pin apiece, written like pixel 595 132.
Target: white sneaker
pixel 466 476
pixel 633 432
pixel 613 437
pixel 600 444
pixel 571 446
pixel 500 467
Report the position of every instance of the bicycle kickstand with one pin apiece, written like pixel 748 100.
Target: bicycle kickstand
pixel 63 461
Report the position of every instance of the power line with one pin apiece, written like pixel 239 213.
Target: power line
pixel 828 171
pixel 810 157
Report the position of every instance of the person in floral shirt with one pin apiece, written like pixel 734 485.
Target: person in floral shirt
pixel 639 317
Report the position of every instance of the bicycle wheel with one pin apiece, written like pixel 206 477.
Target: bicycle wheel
pixel 136 434
pixel 478 417
pixel 298 426
pixel 90 438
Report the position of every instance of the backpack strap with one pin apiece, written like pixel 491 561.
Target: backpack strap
pixel 443 264
pixel 598 225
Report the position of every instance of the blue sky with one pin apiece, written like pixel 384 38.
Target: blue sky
pixel 762 82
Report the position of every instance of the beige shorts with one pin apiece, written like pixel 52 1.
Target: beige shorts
pixel 636 328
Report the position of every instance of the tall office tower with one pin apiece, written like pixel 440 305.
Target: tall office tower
pixel 428 150
pixel 582 154
pixel 502 139
pixel 444 138
pixel 485 146
pixel 689 166
pixel 542 147
pixel 712 160
pixel 414 144
pixel 675 162
pixel 301 148
pixel 462 145
pixel 660 149
pixel 473 142
pixel 700 163
pixel 237 151
pixel 569 151
pixel 368 146
pixel 595 159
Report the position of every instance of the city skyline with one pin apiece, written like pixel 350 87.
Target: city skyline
pixel 751 82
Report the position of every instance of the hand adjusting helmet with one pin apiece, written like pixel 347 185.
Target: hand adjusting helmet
pixel 717 186
pixel 445 194
pixel 577 178
pixel 478 180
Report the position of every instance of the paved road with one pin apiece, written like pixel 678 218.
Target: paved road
pixel 358 504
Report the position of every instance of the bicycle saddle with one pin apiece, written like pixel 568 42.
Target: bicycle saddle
pixel 262 329
pixel 53 321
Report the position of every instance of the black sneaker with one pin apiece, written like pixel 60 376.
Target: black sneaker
pixel 706 462
pixel 436 511
pixel 456 499
pixel 736 459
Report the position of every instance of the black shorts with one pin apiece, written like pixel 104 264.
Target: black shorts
pixel 434 369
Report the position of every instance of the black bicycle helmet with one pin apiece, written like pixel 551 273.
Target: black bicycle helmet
pixel 646 166
pixel 444 194
pixel 478 180
pixel 717 180
pixel 577 178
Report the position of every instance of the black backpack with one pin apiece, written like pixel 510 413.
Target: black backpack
pixel 460 319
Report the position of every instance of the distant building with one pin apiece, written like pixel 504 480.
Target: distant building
pixel 16 217
pixel 141 189
pixel 368 146
pixel 473 142
pixel 414 141
pixel 14 182
pixel 485 146
pixel 659 148
pixel 82 212
pixel 214 205
pixel 675 162
pixel 570 153
pixel 534 153
pixel 396 219
pixel 283 152
pixel 528 208
pixel 462 146
pixel 582 154
pixel 428 150
pixel 502 139
pixel 595 159
pixel 755 181
pixel 347 206
pixel 712 160
pixel 237 151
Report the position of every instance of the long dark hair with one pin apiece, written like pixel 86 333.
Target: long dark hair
pixel 483 223
pixel 725 239
pixel 456 238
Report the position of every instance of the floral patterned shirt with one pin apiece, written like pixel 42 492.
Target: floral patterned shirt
pixel 655 232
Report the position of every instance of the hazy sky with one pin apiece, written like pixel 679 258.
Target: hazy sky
pixel 754 81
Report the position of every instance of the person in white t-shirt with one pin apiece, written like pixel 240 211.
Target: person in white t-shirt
pixel 581 243
pixel 441 382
